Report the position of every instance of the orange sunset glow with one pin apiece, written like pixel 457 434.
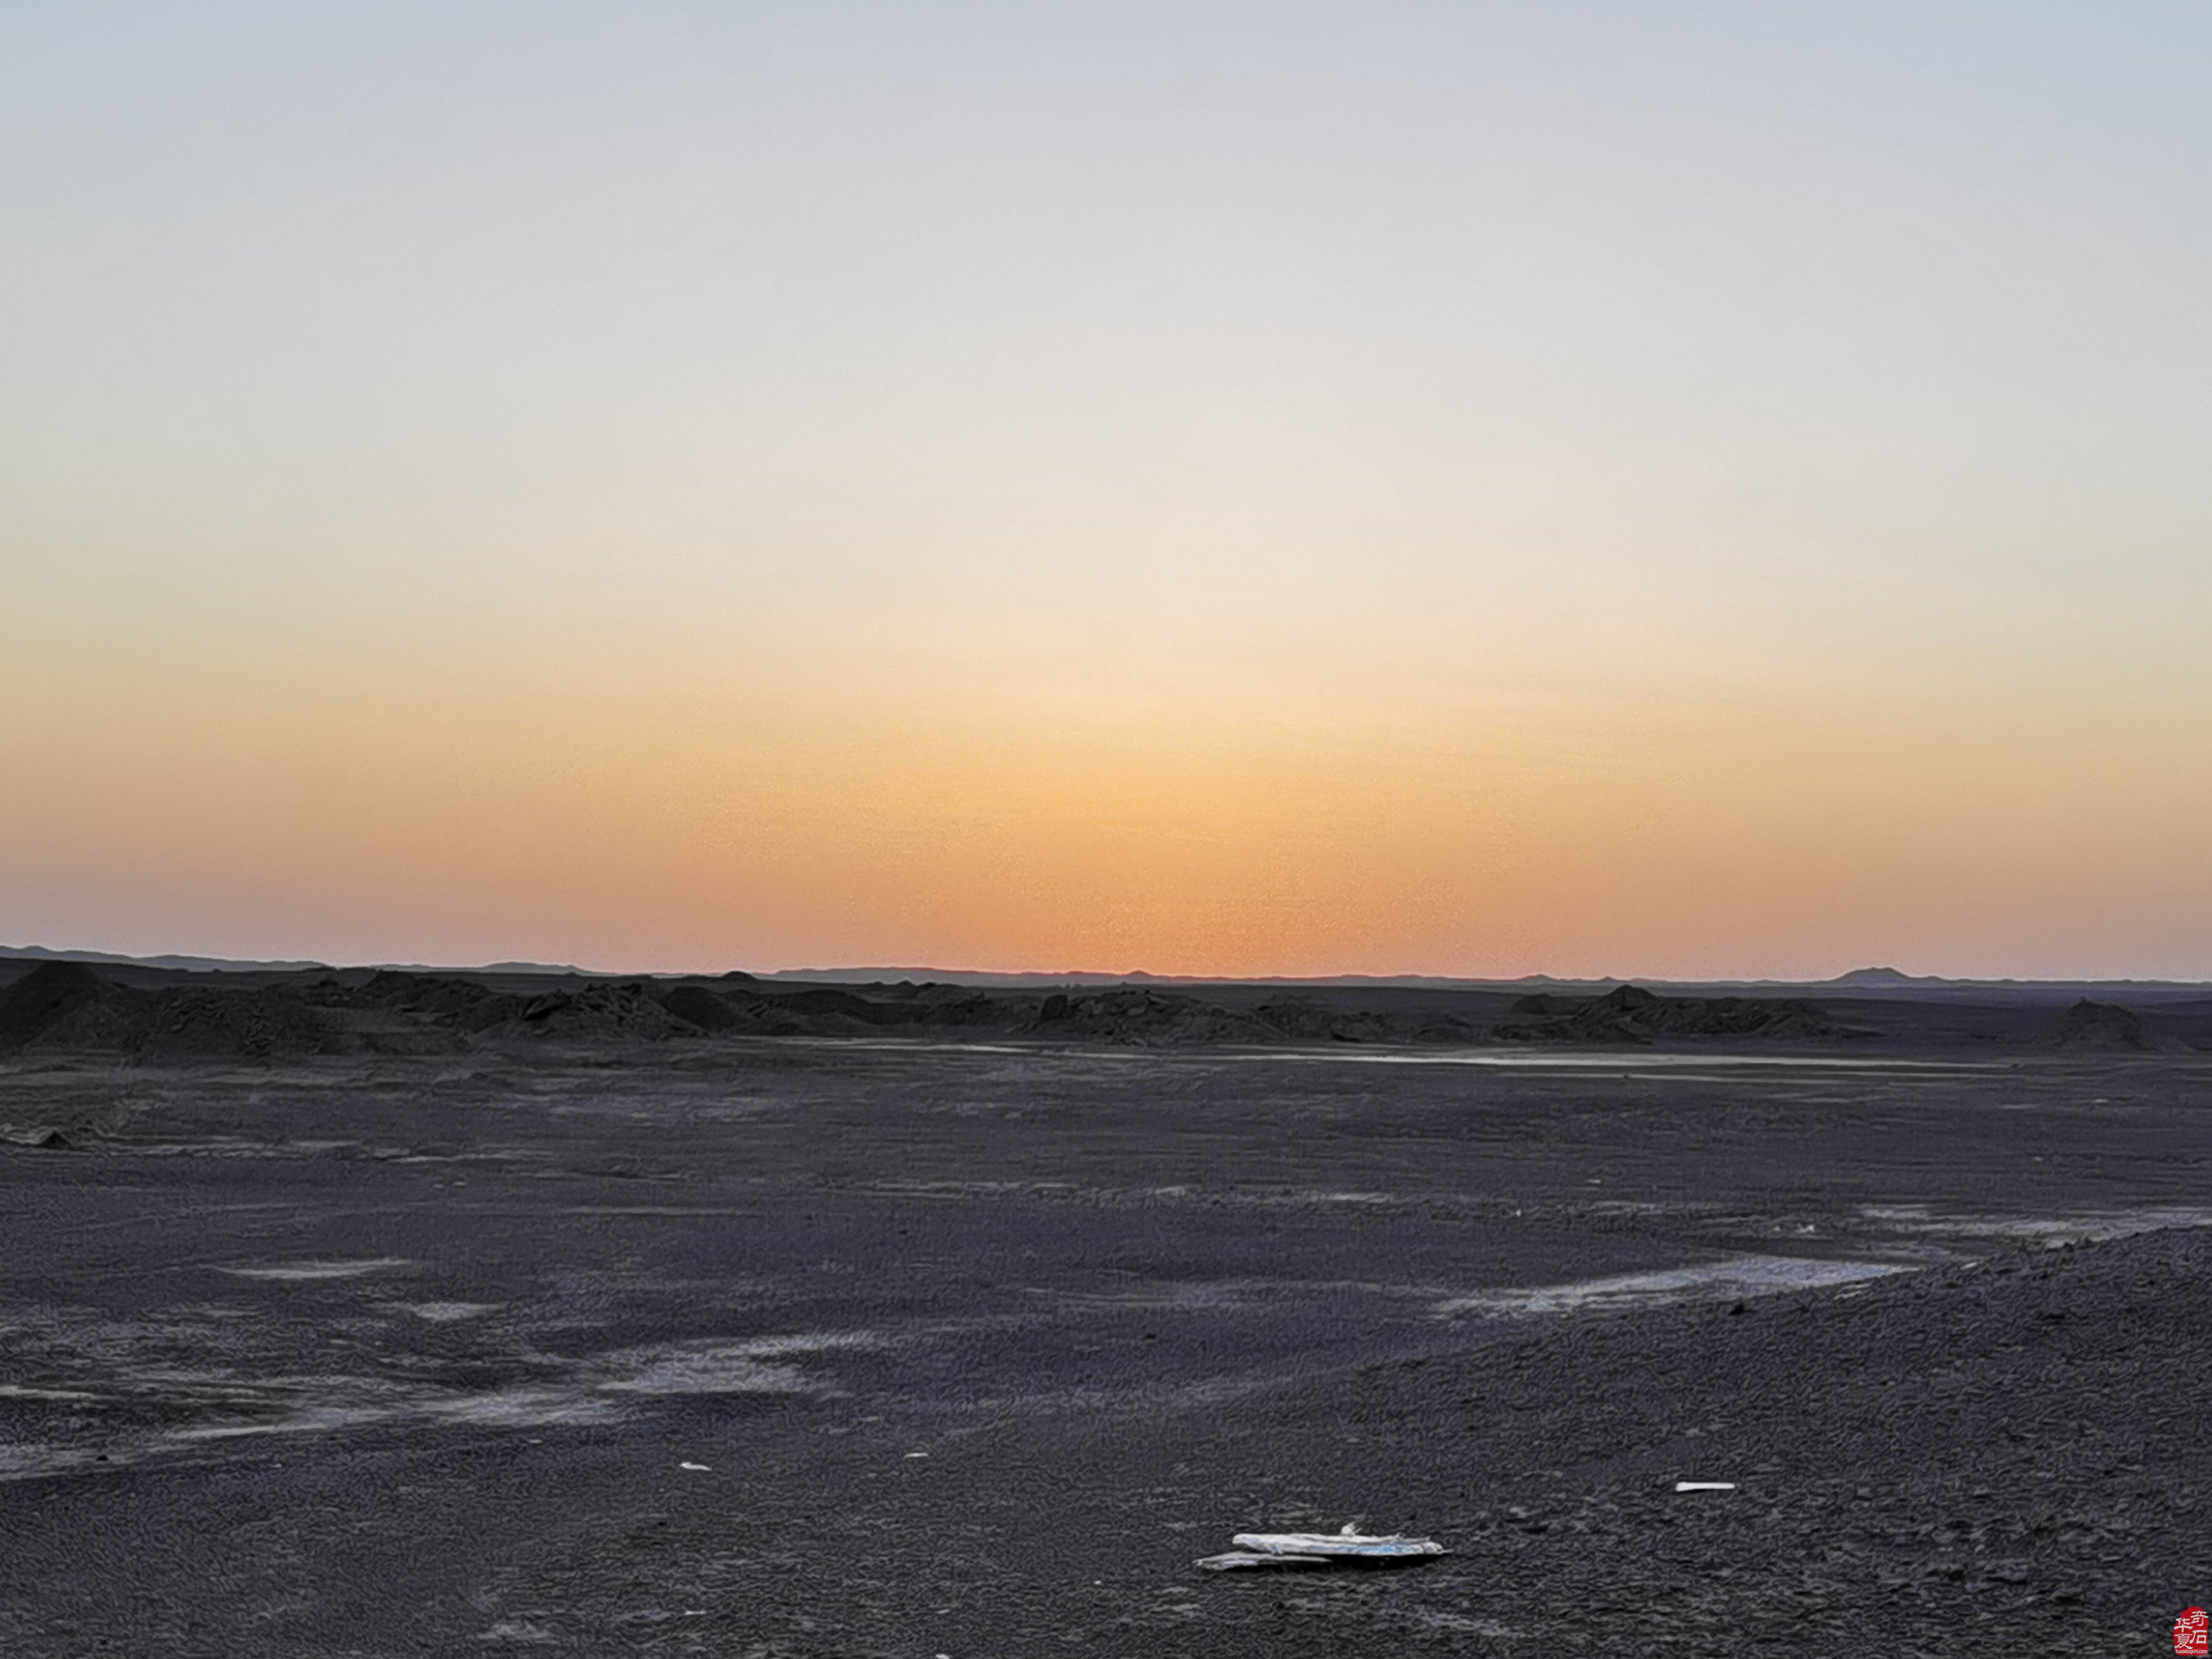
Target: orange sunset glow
pixel 1406 492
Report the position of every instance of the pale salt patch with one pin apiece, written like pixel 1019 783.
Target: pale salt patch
pixel 309 1270
pixel 1710 1281
pixel 447 1313
pixel 751 1366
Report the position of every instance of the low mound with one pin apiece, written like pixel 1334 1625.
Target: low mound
pixel 443 997
pixel 2088 1024
pixel 1302 1019
pixel 628 1010
pixel 697 1005
pixel 65 1005
pixel 1307 1019
pixel 1147 1017
pixel 49 996
pixel 816 1006
pixel 1633 1015
pixel 208 1023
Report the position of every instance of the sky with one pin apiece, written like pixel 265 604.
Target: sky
pixel 1679 489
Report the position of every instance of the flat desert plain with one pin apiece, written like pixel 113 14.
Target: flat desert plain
pixel 968 1341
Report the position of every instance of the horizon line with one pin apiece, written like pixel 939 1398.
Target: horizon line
pixel 1867 977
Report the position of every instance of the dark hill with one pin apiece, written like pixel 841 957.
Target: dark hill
pixel 697 1005
pixel 1147 1016
pixel 593 1011
pixel 67 1004
pixel 208 1023
pixel 2089 1025
pixel 445 996
pixel 43 997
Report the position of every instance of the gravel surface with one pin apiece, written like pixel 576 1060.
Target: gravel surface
pixel 974 1351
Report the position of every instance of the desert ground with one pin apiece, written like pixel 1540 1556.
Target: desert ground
pixel 353 1314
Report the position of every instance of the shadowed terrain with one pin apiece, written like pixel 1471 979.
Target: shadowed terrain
pixel 409 1314
pixel 156 1013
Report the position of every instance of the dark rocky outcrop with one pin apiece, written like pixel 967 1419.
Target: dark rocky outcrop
pixel 596 1011
pixel 70 1005
pixel 447 997
pixel 208 1023
pixel 827 1003
pixel 2091 1024
pixel 1631 1014
pixel 67 1004
pixel 695 1005
pixel 1146 1018
pixel 50 996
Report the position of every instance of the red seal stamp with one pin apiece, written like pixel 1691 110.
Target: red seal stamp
pixel 2191 1633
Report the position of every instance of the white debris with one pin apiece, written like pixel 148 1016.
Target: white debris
pixel 700 1468
pixel 1349 1543
pixel 1704 1485
pixel 1321 1549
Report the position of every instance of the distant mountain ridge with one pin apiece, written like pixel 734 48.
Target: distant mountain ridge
pixel 192 965
pixel 1875 976
pixel 1861 980
pixel 186 964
